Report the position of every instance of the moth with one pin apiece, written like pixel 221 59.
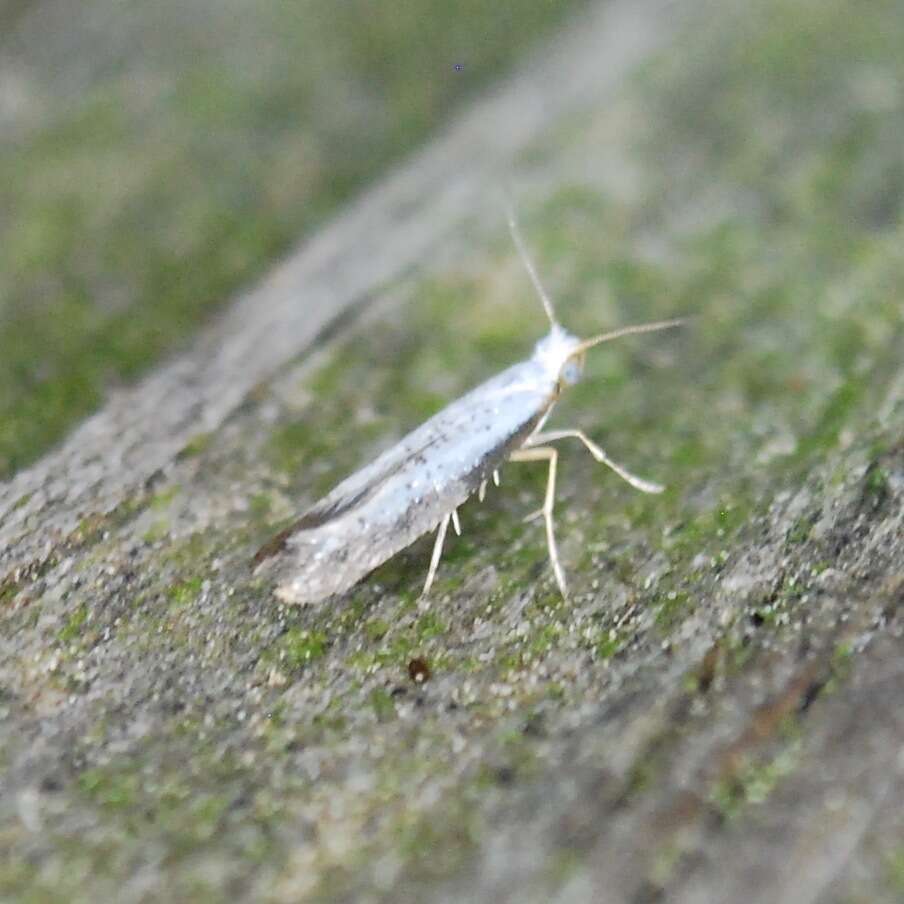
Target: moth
pixel 418 484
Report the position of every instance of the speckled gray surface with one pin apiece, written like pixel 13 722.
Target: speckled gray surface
pixel 715 714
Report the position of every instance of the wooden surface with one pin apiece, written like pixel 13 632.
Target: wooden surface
pixel 716 715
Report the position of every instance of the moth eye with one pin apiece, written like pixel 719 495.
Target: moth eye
pixel 571 372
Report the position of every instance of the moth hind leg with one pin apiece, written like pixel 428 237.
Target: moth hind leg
pixel 549 454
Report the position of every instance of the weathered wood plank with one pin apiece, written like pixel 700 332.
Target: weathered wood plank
pixel 714 716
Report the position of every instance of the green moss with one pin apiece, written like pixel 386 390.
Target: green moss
pixel 664 864
pixel 158 531
pixel 841 666
pixel 382 704
pixel 298 647
pixel 894 865
pixel 161 501
pixel 400 649
pixel 800 531
pixel 544 638
pixel 429 626
pixel 608 644
pixel 774 611
pixel 110 788
pixel 74 624
pixel 90 530
pixel 188 806
pixel 836 413
pixel 708 531
pixel 197 445
pixel 22 500
pixel 185 592
pixel 260 505
pixel 671 607
pixel 376 629
pixel 876 486
pixel 640 776
pixel 8 590
pixel 754 782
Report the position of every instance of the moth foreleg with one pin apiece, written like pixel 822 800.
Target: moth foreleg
pixel 547 453
pixel 437 553
pixel 645 486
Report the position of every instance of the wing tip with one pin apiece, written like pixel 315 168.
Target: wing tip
pixel 274 546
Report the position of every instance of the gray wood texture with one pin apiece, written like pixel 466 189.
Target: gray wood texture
pixel 716 716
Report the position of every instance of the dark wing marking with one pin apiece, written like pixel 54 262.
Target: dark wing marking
pixel 336 503
pixel 273 546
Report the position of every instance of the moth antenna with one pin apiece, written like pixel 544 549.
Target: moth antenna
pixel 528 263
pixel 630 331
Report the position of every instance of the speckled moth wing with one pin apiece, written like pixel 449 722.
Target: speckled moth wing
pixel 406 491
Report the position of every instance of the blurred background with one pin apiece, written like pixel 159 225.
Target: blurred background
pixel 156 157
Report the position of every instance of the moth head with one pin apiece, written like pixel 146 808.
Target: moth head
pixel 573 369
pixel 561 354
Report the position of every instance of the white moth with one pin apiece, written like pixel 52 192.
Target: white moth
pixel 419 483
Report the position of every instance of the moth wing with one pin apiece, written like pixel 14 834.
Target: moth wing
pixel 405 492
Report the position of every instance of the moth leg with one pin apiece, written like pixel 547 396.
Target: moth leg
pixel 547 453
pixel 456 524
pixel 645 486
pixel 532 516
pixel 437 552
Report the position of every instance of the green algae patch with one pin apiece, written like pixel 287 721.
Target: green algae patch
pixel 74 624
pixel 894 866
pixel 382 704
pixel 197 445
pixel 753 782
pixel 299 647
pixel 186 592
pixel 110 789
